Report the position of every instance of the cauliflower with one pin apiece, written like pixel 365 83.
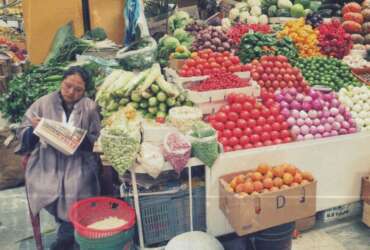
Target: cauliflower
pixel 263 19
pixel 256 11
pixel 226 23
pixel 252 3
pixel 243 16
pixel 252 20
pixel 234 14
pixel 241 6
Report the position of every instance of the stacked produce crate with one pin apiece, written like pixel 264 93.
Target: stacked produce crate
pixel 365 194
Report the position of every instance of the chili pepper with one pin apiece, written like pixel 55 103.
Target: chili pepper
pixel 222 80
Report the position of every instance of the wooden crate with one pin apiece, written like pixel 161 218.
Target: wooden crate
pixel 365 189
pixel 362 74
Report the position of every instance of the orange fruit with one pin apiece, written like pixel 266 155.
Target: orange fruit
pixel 291 169
pixel 304 182
pixel 307 176
pixel 278 172
pixel 287 179
pixel 233 183
pixel 294 184
pixel 284 187
pixel 258 186
pixel 267 182
pixel 269 174
pixel 240 178
pixel 278 182
pixel 265 190
pixel 257 176
pixel 263 168
pixel 298 178
pixel 239 188
pixel 248 187
pixel 284 166
pixel 274 189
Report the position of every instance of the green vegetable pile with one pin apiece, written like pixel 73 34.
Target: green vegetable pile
pixel 253 46
pixel 329 72
pixel 147 92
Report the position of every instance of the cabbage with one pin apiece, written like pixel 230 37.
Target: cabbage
pixel 256 11
pixel 254 3
pixel 252 20
pixel 263 19
pixel 171 42
pixel 285 4
pixel 297 10
pixel 178 20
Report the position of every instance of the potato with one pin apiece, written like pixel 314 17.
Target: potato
pixel 357 39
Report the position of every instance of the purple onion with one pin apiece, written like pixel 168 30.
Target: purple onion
pixel 316 122
pixel 305 130
pixel 308 121
pixel 313 130
pixel 295 105
pixel 300 122
pixel 317 104
pixel 335 103
pixel 342 131
pixel 352 122
pixel 336 125
pixel 293 91
pixel 291 121
pixel 308 137
pixel 333 133
pixel 339 118
pixel 319 114
pixel 334 111
pixel 307 99
pixel 314 94
pixel 285 112
pixel 342 109
pixel 352 130
pixel 295 113
pixel 288 98
pixel 312 114
pixel 284 104
pixel 299 97
pixel 326 134
pixel 279 97
pixel 328 97
pixel 303 114
pixel 318 136
pixel 346 125
pixel 330 120
pixel 295 130
pixel 300 137
pixel 326 113
pixel 306 106
pixel 321 129
pixel 328 127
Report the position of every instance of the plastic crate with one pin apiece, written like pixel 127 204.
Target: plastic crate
pixel 165 216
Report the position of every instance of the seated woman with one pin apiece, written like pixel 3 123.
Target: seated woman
pixel 55 181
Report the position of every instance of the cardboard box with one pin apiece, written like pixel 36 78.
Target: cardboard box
pixel 305 224
pixel 365 189
pixel 176 64
pixel 366 214
pixel 251 213
pixel 340 212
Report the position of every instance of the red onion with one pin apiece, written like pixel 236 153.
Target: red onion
pixel 318 136
pixel 334 111
pixel 352 130
pixel 291 121
pixel 306 106
pixel 303 114
pixel 342 131
pixel 300 122
pixel 346 125
pixel 305 130
pixel 331 120
pixel 313 130
pixel 284 104
pixel 333 133
pixel 295 130
pixel 335 103
pixel 299 97
pixel 312 114
pixel 326 134
pixel 342 109
pixel 307 99
pixel 292 91
pixel 317 104
pixel 316 122
pixel 295 105
pixel 295 114
pixel 339 118
pixel 288 98
pixel 308 137
pixel 336 125
pixel 308 121
pixel 300 137
pixel 279 97
pixel 327 127
pixel 285 112
pixel 314 94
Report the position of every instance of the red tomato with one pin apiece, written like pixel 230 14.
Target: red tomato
pixel 280 118
pixel 238 147
pixel 228 149
pixel 261 120
pixel 272 77
pixel 244 140
pixel 284 125
pixel 251 123
pixel 268 70
pixel 265 112
pixel 221 117
pixel 224 141
pixel 248 146
pixel 190 62
pixel 238 68
pixel 275 70
pixel 248 131
pixel 271 119
pixel 287 139
pixel 279 77
pixel 232 69
pixel 258 129
pixel 210 118
pixel 255 138
pixel 219 59
pixel 265 136
pixel 264 77
pixel 233 141
pixel 247 106
pixel 267 128
pixel 230 125
pixel 206 72
pixel 236 107
pixel 237 132
pixel 218 126
pixel 255 76
pixel 284 134
pixel 274 135
pixel 276 126
pixel 233 116
pixel 247 67
pixel 244 115
pixel 270 102
pixel 258 145
pixel 227 133
pixel 278 141
pixel 235 60
pixel 214 65
pixel 241 98
pixel 278 64
pixel 274 110
pixel 241 123
pixel 267 143
pixel 251 100
pixel 282 58
pixel 226 53
pixel 227 63
pixel 225 108
pixel 255 113
pixel 231 98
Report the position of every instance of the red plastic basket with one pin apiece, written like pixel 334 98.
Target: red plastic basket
pixel 91 210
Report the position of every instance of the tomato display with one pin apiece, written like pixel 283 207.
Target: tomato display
pixel 274 72
pixel 250 124
pixel 207 62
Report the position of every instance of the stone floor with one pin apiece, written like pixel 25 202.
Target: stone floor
pixel 16 231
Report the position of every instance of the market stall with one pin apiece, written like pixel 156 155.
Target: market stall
pixel 260 82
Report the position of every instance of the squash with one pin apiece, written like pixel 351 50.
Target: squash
pixel 356 17
pixel 352 27
pixel 366 14
pixel 351 7
pixel 366 4
pixel 366 28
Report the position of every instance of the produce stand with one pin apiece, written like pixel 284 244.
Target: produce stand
pixel 338 164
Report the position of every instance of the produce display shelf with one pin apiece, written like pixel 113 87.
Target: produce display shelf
pixel 283 20
pixel 338 163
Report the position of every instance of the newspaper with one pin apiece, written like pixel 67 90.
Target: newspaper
pixel 63 137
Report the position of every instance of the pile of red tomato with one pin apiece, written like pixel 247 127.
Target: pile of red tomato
pixel 244 123
pixel 275 72
pixel 207 62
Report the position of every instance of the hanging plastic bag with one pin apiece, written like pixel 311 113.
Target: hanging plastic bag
pixel 135 22
pixel 204 143
pixel 151 159
pixel 183 118
pixel 177 150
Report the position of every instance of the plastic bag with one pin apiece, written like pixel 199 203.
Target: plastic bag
pixel 151 159
pixel 177 150
pixel 204 143
pixel 183 118
pixel 138 55
pixel 135 22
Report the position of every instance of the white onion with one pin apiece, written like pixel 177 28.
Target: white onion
pixel 312 114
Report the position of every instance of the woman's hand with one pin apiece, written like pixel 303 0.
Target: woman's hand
pixel 35 121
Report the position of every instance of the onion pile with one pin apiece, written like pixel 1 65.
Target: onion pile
pixel 315 114
pixel 357 100
pixel 214 39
